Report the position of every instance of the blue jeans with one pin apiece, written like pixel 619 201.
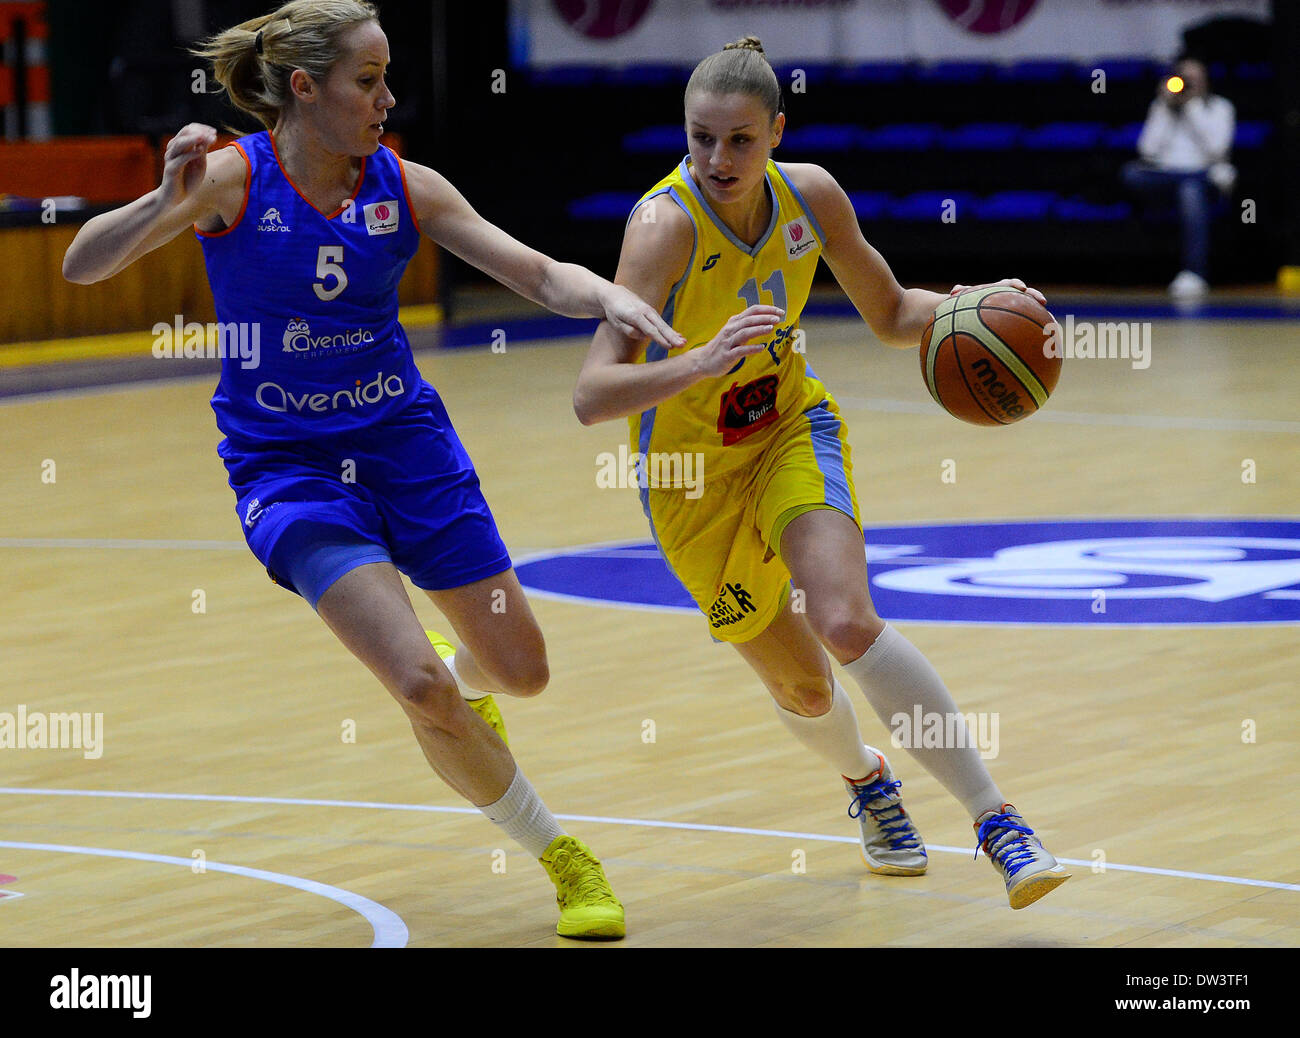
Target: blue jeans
pixel 1194 195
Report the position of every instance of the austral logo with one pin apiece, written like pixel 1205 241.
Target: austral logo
pixel 271 221
pixel 1161 572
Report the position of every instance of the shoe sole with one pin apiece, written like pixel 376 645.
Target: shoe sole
pixel 606 930
pixel 881 869
pixel 1030 890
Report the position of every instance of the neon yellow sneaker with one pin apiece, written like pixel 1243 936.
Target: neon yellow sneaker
pixel 486 707
pixel 588 907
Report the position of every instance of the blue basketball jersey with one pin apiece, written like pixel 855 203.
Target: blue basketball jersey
pixel 317 294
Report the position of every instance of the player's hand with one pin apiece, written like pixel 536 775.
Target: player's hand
pixel 734 343
pixel 634 317
pixel 1015 283
pixel 186 163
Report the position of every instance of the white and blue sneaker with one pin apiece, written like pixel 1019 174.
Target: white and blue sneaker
pixel 891 846
pixel 1019 855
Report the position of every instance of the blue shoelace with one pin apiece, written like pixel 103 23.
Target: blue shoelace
pixel 1012 852
pixel 900 834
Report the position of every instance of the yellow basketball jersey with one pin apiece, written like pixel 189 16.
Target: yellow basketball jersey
pixel 729 420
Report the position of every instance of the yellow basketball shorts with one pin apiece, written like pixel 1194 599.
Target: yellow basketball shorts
pixel 724 545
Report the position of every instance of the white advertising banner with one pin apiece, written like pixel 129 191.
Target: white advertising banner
pixel 632 32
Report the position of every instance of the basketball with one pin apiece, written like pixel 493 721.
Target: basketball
pixel 983 358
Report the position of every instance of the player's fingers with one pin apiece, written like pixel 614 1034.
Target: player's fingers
pixel 958 290
pixel 659 330
pixel 753 326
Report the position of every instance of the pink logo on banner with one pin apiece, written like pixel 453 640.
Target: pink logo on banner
pixel 602 19
pixel 987 17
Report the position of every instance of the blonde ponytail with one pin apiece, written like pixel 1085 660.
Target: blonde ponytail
pixel 254 60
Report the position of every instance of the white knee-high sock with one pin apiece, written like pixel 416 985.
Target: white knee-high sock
pixel 523 817
pixel 896 678
pixel 834 736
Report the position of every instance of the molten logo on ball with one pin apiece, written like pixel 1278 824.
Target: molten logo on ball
pixel 982 356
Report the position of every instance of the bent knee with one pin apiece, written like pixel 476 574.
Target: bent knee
pixel 848 635
pixel 428 693
pixel 525 678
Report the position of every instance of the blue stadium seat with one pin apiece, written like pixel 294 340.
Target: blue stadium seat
pixel 901 137
pixel 815 74
pixel 607 205
pixel 870 205
pixel 1064 137
pixel 1128 70
pixel 567 76
pixel 930 205
pixel 1251 135
pixel 1080 210
pixel 1043 70
pixel 658 139
pixel 982 137
pixel 873 73
pixel 822 137
pixel 650 76
pixel 1253 72
pixel 953 73
pixel 1123 138
pixel 1014 205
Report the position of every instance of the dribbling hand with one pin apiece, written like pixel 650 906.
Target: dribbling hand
pixel 186 162
pixel 1015 283
pixel 733 343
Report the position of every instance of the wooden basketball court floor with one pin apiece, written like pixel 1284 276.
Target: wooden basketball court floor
pixel 228 808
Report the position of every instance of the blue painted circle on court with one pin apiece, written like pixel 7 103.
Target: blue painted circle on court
pixel 1146 571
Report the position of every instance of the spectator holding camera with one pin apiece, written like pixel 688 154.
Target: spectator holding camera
pixel 1184 149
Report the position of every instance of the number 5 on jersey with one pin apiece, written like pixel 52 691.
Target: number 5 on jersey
pixel 329 264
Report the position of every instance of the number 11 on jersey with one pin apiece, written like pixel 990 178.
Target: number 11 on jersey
pixel 775 286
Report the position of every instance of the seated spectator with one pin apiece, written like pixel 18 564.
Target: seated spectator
pixel 1184 150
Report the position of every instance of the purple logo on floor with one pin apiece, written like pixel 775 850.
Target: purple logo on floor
pixel 1097 571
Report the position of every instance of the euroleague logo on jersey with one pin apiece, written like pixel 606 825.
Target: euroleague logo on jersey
pixel 382 217
pixel 1151 572
pixel 798 237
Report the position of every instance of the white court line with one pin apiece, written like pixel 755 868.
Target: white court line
pixel 389 930
pixel 647 823
pixel 1048 414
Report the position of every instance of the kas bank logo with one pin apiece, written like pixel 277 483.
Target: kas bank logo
pixel 1163 572
pixel 271 222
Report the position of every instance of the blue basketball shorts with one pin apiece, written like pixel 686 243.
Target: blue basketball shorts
pixel 402 491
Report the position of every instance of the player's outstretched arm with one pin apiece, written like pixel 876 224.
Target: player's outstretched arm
pixel 654 258
pixel 897 315
pixel 195 188
pixel 564 288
